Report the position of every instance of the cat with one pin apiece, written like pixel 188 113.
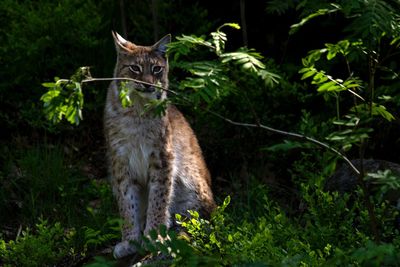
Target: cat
pixel 156 165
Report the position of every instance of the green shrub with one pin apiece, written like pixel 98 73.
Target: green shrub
pixel 45 245
pixel 332 230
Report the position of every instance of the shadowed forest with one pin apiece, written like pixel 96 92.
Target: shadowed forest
pixel 295 105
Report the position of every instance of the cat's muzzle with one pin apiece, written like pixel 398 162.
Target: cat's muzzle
pixel 149 89
pixel 144 88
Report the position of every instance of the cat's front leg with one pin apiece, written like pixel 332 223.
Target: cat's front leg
pixel 160 192
pixel 158 207
pixel 129 201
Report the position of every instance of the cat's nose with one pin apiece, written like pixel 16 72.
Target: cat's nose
pixel 149 88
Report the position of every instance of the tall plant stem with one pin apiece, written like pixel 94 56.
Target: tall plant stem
pixel 338 108
pixel 123 18
pixel 154 12
pixel 371 84
pixel 364 188
pixel 372 64
pixel 243 22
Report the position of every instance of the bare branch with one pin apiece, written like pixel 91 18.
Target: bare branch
pixel 290 134
pixel 251 125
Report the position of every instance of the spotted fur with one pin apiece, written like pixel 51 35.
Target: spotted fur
pixel 156 165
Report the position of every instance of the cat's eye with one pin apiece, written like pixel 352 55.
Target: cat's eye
pixel 135 68
pixel 156 69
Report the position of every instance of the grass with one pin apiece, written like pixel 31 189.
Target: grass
pixel 41 185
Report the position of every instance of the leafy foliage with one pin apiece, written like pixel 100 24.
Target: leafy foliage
pixel 98 237
pixel 318 237
pixel 47 246
pixel 386 179
pixel 376 17
pixel 44 187
pixel 350 52
pixel 210 80
pixel 319 12
pixel 69 105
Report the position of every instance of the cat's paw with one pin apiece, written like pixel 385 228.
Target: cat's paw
pixel 123 249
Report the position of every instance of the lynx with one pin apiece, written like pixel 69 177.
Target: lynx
pixel 156 165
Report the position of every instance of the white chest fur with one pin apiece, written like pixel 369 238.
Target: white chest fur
pixel 132 137
pixel 137 154
pixel 134 142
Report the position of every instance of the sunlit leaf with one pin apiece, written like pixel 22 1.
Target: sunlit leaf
pixel 374 110
pixel 295 27
pixel 328 86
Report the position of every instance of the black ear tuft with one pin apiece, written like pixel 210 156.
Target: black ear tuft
pixel 161 46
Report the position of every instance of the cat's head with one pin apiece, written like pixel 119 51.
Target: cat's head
pixel 148 64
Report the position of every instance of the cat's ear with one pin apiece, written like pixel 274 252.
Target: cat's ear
pixel 121 44
pixel 161 46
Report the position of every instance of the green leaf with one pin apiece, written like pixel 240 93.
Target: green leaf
pixel 193 40
pixel 232 25
pixel 71 115
pixel 49 85
pixel 384 178
pixel 213 238
pixel 125 95
pixel 163 231
pixel 50 95
pixel 269 78
pixel 64 98
pixel 381 110
pixel 329 86
pixel 248 60
pixel 331 55
pixel 295 27
pixel 350 136
pixel 374 110
pixel 308 72
pixel 153 235
pixel 227 200
pixel 320 77
pixel 351 122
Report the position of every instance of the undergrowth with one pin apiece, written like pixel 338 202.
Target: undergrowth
pixel 331 231
pixel 47 245
pixel 249 228
pixel 52 214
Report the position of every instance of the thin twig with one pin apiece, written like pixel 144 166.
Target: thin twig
pixel 90 79
pixel 344 87
pixel 281 132
pixel 258 125
pixel 295 135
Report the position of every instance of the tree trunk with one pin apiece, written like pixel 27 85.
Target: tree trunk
pixel 123 18
pixel 243 22
pixel 154 11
